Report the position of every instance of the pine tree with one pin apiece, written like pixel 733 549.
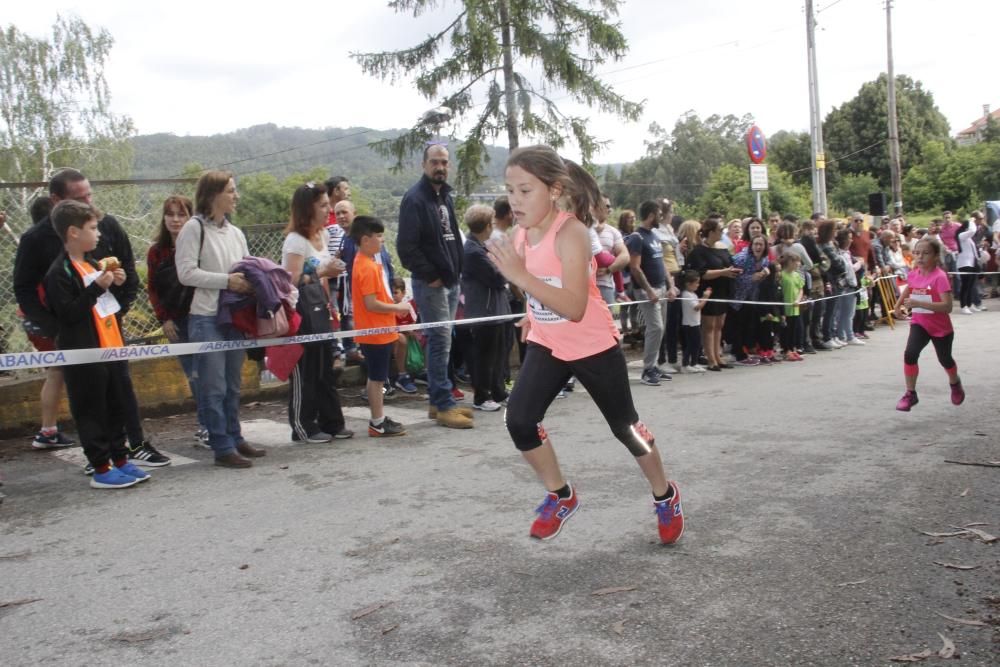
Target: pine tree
pixel 501 61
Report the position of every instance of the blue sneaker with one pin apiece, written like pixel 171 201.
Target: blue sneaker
pixel 132 470
pixel 112 479
pixel 54 441
pixel 405 384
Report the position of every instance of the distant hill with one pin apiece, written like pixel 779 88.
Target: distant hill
pixel 282 151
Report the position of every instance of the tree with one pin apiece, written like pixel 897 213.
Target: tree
pixel 728 193
pixel 856 133
pixel 55 105
pixel 851 193
pixel 679 163
pixel 563 39
pixel 792 153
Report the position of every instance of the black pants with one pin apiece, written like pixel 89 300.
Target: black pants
pixel 98 404
pixel 313 401
pixel 133 424
pixel 918 341
pixel 673 333
pixel 792 337
pixel 692 344
pixel 486 362
pixel 969 276
pixel 743 330
pixel 604 375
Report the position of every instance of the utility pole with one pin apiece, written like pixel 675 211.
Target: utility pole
pixel 897 185
pixel 815 122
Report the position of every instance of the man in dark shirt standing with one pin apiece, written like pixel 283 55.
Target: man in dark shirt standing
pixel 430 247
pixel 647 269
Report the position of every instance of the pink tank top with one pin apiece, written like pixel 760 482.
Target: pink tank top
pixel 567 340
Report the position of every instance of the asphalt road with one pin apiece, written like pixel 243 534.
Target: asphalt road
pixel 804 493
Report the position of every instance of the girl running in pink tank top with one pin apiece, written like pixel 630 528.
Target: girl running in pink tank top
pixel 569 331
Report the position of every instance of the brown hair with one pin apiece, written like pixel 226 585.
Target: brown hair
pixel 303 200
pixel 163 237
pixel 71 213
pixel 586 193
pixel 785 230
pixel 544 163
pixel 826 231
pixel 211 184
pixel 478 217
pixel 623 220
pixel 710 225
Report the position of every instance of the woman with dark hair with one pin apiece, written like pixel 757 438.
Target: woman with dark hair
pixel 208 245
pixel 314 411
pixel 848 301
pixel 834 279
pixel 715 266
pixel 628 316
pixel 967 262
pixel 755 267
pixel 170 299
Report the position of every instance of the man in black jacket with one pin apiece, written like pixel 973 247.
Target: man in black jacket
pixel 430 246
pixel 38 248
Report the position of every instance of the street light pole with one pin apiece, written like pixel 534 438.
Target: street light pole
pixel 815 122
pixel 894 168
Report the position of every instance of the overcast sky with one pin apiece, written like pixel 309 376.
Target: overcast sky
pixel 203 67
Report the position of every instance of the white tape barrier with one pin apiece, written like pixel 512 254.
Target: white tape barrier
pixel 27 360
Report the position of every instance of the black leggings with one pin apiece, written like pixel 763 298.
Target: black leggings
pixel 605 377
pixel 918 341
pixel 969 276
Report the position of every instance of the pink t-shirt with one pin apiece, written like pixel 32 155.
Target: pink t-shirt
pixel 948 235
pixel 567 340
pixel 929 287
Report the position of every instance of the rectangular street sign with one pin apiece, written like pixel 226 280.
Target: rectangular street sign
pixel 758 177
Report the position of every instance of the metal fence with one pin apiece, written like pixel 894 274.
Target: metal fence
pixel 137 205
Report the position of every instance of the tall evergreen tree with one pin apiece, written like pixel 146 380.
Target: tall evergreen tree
pixel 501 61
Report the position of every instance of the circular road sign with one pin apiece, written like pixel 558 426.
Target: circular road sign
pixel 756 145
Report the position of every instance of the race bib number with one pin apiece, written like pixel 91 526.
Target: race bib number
pixel 539 312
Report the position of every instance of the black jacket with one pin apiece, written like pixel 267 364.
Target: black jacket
pixel 38 249
pixel 421 242
pixel 484 287
pixel 71 304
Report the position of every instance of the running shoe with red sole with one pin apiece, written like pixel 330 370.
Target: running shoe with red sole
pixel 553 513
pixel 670 517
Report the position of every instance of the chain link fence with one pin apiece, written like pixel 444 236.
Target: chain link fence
pixel 138 207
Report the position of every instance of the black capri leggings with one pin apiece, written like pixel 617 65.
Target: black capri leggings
pixel 605 377
pixel 918 341
pixel 968 285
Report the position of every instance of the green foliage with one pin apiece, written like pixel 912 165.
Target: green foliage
pixel 942 181
pixel 792 153
pixel 851 193
pixel 679 164
pixel 478 50
pixel 857 131
pixel 55 105
pixel 728 193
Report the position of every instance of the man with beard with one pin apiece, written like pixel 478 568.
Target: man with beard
pixel 430 246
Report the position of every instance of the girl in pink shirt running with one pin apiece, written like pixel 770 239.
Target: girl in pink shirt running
pixel 569 331
pixel 928 296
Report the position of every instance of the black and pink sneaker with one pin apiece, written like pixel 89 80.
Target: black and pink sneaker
pixel 957 393
pixel 908 401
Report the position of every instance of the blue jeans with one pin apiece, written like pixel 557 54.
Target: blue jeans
pixel 437 304
pixel 187 362
pixel 846 305
pixel 217 379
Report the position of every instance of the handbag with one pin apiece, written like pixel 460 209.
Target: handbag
pixel 415 361
pixel 174 297
pixel 313 306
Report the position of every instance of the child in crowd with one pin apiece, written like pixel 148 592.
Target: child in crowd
pixel 928 296
pixel 373 309
pixel 691 307
pixel 570 333
pixel 403 382
pixel 792 284
pixel 77 290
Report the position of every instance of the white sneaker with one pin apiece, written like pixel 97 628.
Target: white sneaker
pixel 828 345
pixel 837 343
pixel 856 341
pixel 975 308
pixel 695 369
pixel 981 308
pixel 966 310
pixel 487 406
